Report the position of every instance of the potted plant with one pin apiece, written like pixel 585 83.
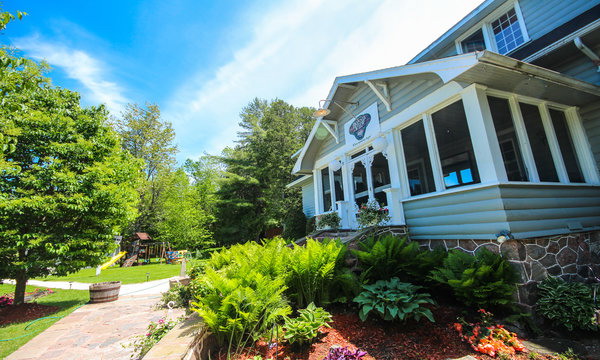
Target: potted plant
pixel 372 214
pixel 330 220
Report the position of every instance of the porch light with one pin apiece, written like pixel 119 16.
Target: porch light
pixel 321 111
pixel 504 236
pixel 335 165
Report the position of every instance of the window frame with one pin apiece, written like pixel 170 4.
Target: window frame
pixel 485 26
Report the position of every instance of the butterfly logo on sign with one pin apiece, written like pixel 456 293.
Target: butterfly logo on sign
pixel 359 126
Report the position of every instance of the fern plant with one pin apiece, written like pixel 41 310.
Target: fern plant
pixel 394 300
pixel 393 256
pixel 568 304
pixel 313 270
pixel 304 328
pixel 485 280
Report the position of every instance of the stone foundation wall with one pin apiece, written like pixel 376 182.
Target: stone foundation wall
pixel 573 256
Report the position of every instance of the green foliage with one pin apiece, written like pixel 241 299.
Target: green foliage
pixel 311 225
pixel 313 271
pixel 394 300
pixel 485 280
pixel 568 355
pixel 145 136
pixel 179 295
pixel 240 308
pixel 67 187
pixel 330 220
pixel 156 331
pixel 183 220
pixel 372 214
pixel 395 256
pixel 568 304
pixel 294 224
pixel 252 194
pixel 304 328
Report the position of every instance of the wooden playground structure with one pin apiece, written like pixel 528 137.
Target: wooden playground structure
pixel 141 249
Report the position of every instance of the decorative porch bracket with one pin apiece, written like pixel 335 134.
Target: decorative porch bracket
pixel 382 94
pixel 333 131
pixel 395 207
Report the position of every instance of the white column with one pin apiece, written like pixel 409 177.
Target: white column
pixel 582 147
pixel 483 135
pixel 559 164
pixel 394 197
pixel 346 212
pixel 434 155
pixel 317 182
pixel 397 172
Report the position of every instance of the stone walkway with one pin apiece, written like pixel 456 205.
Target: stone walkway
pixel 96 331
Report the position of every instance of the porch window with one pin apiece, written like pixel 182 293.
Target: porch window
pixel 507 32
pixel 565 142
pixel 539 142
pixel 454 146
pixel 338 185
pixel 381 178
pixel 326 186
pixel 418 163
pixel 507 139
pixel 475 42
pixel 359 180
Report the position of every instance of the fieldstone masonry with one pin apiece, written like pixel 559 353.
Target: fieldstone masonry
pixel 574 256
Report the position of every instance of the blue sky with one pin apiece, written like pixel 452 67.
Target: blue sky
pixel 203 61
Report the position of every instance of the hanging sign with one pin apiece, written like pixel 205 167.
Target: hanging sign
pixel 363 128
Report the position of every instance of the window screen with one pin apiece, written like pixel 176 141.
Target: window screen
pixel 539 142
pixel 418 163
pixel 565 142
pixel 475 42
pixel 326 189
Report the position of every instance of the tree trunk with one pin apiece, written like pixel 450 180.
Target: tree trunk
pixel 21 280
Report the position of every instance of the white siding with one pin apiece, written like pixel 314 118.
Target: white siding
pixel 308 199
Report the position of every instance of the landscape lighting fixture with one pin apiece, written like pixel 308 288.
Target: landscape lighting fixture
pixel 321 111
pixel 503 236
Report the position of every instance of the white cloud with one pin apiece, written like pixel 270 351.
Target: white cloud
pixel 297 49
pixel 80 66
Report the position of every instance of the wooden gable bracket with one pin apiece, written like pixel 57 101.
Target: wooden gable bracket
pixel 383 95
pixel 333 131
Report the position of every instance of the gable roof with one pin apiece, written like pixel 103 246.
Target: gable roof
pixel 484 67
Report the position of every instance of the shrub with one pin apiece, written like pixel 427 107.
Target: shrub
pixel 372 214
pixel 343 353
pixel 311 225
pixel 394 300
pixel 241 308
pixel 485 280
pixel 383 258
pixel 330 220
pixel 156 331
pixel 180 295
pixel 304 328
pixel 568 304
pixel 5 301
pixel 314 270
pixel 294 224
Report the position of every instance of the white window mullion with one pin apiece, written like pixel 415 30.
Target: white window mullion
pixel 488 37
pixel 559 164
pixel 367 162
pixel 402 173
pixel 521 131
pixel 434 156
pixel 582 147
pixel 318 192
pixel 332 190
pixel 347 179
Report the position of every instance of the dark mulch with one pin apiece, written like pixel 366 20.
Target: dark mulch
pixel 14 314
pixel 381 340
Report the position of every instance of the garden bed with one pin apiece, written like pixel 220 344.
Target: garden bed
pixel 14 314
pixel 381 340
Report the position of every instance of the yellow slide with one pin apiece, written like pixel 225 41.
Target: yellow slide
pixel 113 260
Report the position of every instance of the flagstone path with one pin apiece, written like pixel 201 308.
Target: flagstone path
pixel 96 331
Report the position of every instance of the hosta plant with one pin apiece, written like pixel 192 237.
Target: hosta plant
pixel 394 300
pixel 304 328
pixel 568 304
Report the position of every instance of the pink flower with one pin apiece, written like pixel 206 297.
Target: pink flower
pixel 161 321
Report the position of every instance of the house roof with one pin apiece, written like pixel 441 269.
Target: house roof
pixel 485 68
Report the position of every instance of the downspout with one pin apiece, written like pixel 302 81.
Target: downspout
pixel 587 51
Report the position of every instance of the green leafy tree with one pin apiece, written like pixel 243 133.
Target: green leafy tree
pixel 183 220
pixel 258 169
pixel 66 187
pixel 151 139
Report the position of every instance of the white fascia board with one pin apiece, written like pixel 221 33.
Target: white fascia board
pixel 473 14
pixel 309 140
pixel 298 181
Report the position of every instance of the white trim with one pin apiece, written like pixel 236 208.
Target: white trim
pixel 434 156
pixel 486 27
pixel 526 152
pixel 385 98
pixel 559 164
pixel 298 181
pixel 583 150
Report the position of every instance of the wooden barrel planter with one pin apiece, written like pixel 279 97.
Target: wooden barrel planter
pixel 104 292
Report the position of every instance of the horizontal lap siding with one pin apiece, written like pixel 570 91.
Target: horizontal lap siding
pixel 473 214
pixel 542 16
pixel 308 199
pixel 534 210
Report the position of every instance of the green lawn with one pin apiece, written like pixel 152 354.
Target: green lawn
pixel 67 300
pixel 127 275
